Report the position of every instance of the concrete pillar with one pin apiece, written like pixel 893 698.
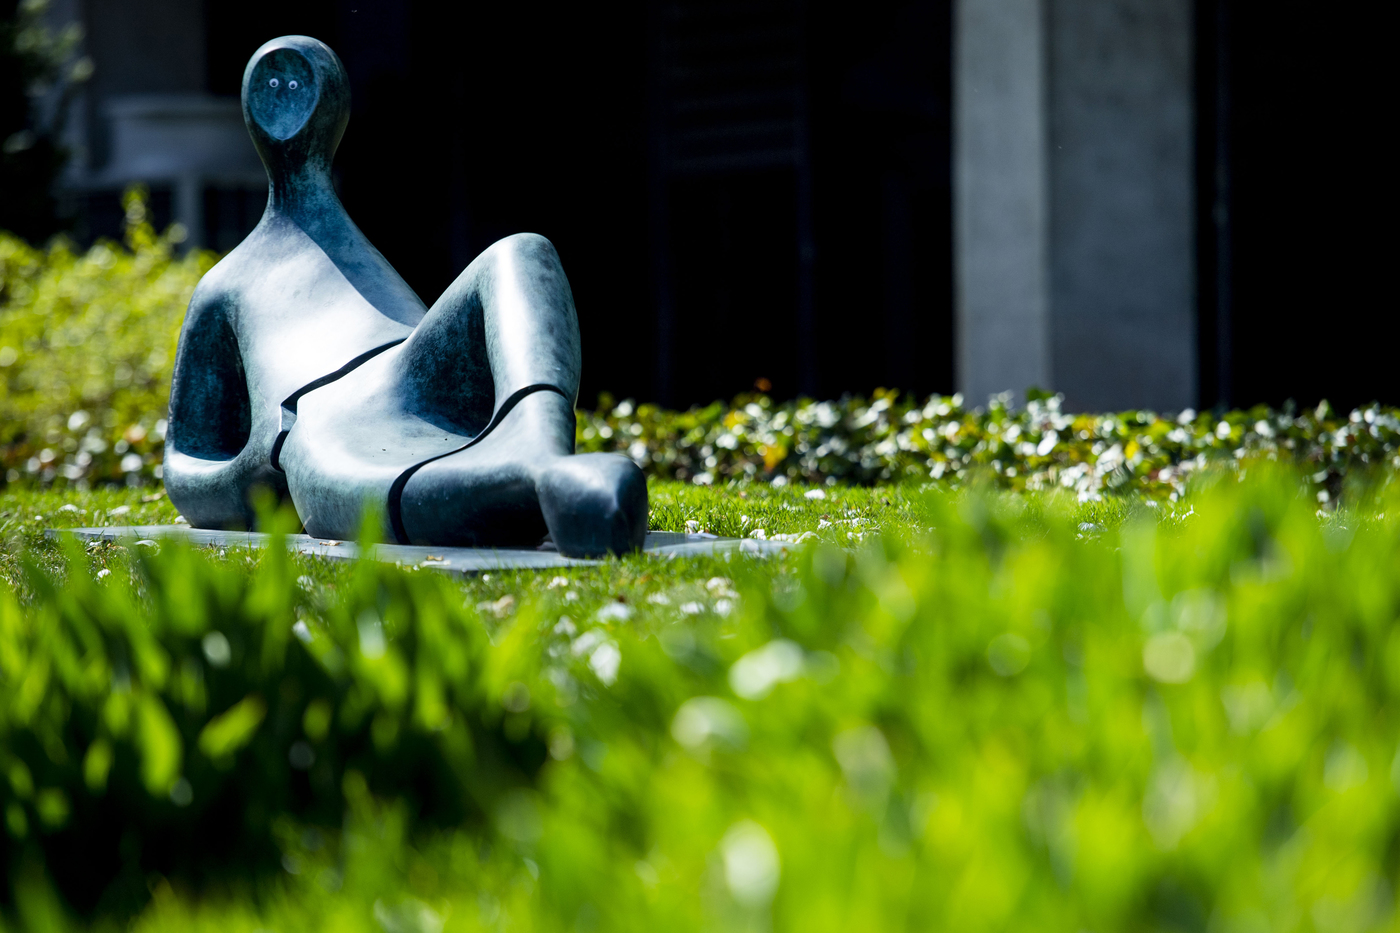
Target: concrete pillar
pixel 999 198
pixel 1122 215
pixel 1074 200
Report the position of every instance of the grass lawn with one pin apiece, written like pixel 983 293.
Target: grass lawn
pixel 1000 702
pixel 945 710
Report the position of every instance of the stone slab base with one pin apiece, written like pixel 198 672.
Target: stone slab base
pixel 454 559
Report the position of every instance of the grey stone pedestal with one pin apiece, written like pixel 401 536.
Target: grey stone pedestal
pixel 452 559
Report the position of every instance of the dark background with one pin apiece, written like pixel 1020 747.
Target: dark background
pixel 682 158
pixel 760 191
pixel 1296 182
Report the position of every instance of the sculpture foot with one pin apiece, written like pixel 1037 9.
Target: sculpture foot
pixel 520 480
pixel 594 504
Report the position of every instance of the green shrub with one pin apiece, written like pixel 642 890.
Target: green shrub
pixel 1004 718
pixel 87 343
pixel 894 438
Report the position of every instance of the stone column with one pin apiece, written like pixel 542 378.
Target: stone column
pixel 1122 204
pixel 1074 210
pixel 1000 222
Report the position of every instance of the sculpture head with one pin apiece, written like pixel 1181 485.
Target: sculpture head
pixel 296 103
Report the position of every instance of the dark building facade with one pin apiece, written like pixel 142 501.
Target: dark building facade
pixel 770 192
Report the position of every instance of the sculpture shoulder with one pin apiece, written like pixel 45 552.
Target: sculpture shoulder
pixel 238 270
pixel 210 299
pixel 225 282
pixel 283 265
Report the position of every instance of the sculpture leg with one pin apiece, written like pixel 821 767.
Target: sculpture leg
pixel 352 443
pixel 517 476
pixel 506 324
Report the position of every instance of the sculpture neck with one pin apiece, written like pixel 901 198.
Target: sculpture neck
pixel 305 196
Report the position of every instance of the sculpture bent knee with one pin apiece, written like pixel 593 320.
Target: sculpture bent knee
pixel 307 366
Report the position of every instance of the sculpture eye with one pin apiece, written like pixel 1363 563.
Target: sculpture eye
pixel 273 83
pixel 292 84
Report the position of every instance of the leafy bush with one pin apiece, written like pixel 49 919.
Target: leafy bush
pixel 892 438
pixel 1003 718
pixel 87 344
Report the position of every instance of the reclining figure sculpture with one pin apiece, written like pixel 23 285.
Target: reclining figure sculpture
pixel 306 365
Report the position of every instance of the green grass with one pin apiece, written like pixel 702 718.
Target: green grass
pixel 1109 672
pixel 970 710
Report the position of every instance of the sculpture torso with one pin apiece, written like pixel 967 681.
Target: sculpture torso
pixel 303 296
pixel 296 313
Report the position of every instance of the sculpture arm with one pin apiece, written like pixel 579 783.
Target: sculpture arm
pixel 210 465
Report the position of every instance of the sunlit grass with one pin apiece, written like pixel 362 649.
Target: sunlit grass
pixel 973 710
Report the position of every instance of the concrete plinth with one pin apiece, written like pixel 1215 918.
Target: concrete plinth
pixel 452 559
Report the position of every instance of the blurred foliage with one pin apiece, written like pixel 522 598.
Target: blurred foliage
pixel 894 438
pixel 39 76
pixel 87 344
pixel 994 714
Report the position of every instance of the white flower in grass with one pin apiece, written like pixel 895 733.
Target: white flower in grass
pixel 587 642
pixel 866 763
pixel 372 643
pixel 605 661
pixel 499 608
pixel 702 721
pixel 755 674
pixel 721 586
pixel 614 612
pixel 604 657
pixel 751 865
pixel 217 649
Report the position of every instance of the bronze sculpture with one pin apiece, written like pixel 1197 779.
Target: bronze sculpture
pixel 306 365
